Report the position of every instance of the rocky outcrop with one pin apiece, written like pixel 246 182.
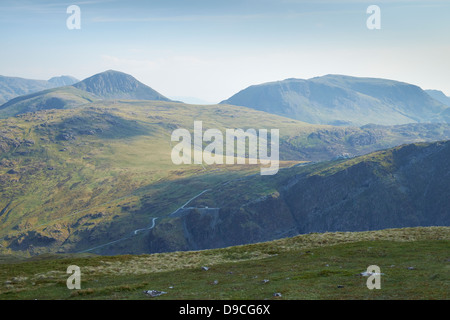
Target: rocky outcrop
pixel 31 239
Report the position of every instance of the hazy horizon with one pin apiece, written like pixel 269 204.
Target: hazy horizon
pixel 210 50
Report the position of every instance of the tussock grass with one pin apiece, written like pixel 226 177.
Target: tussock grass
pixel 310 266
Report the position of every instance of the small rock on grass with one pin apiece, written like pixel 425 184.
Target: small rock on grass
pixel 154 293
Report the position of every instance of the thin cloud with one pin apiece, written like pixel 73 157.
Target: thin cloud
pixel 45 7
pixel 181 18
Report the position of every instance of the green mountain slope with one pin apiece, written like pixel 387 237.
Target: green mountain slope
pixel 80 177
pixel 343 100
pixel 58 98
pixel 75 179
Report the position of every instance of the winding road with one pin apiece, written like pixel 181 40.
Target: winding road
pixel 135 232
pixel 182 207
pixel 153 225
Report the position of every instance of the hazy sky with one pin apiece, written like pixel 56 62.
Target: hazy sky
pixel 212 49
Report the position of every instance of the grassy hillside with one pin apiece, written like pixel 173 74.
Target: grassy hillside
pixel 414 263
pixel 74 179
pixel 97 173
pixel 58 98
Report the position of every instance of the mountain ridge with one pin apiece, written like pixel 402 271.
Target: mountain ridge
pixel 12 87
pixel 56 98
pixel 440 96
pixel 108 85
pixel 343 100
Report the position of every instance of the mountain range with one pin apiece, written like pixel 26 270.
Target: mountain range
pixel 106 85
pixel 87 168
pixel 11 87
pixel 344 100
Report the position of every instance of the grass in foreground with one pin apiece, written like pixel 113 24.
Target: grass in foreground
pixel 415 263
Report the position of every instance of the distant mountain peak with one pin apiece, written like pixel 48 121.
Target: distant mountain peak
pixel 111 71
pixel 112 84
pixel 63 81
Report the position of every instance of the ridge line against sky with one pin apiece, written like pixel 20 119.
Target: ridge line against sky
pixel 212 49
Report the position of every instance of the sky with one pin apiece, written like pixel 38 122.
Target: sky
pixel 208 50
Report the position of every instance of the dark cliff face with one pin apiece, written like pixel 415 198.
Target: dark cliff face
pixel 199 229
pixel 404 187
